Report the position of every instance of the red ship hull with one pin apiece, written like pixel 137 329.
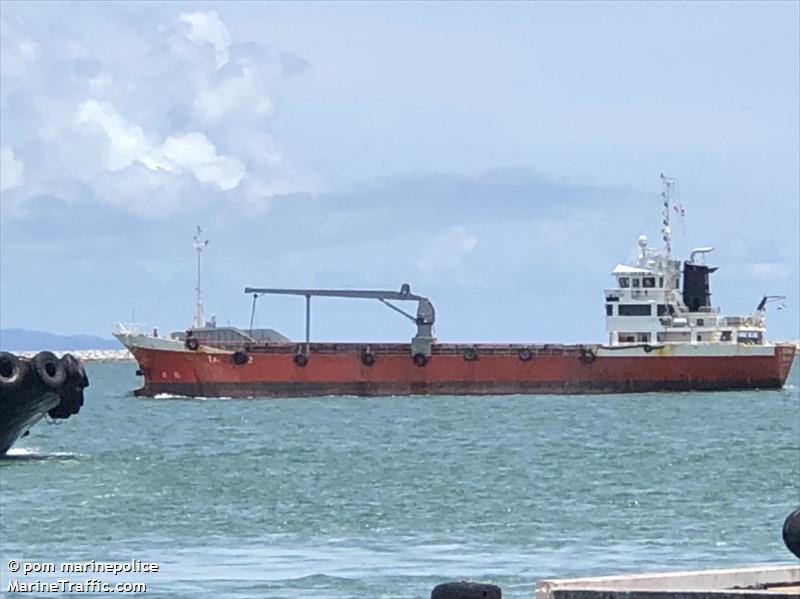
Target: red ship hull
pixel 338 369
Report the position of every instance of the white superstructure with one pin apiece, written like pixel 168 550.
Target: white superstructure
pixel 648 307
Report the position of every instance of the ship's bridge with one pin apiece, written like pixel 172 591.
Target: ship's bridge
pixel 647 306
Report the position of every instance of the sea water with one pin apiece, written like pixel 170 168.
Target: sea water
pixel 387 497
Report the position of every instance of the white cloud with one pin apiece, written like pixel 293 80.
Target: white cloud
pixel 167 97
pixel 195 153
pixel 127 143
pixel 447 250
pixel 238 93
pixel 11 169
pixel 208 27
pixel 191 152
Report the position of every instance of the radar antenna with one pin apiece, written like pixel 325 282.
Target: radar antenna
pixel 199 245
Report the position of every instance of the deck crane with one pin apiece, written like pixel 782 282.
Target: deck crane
pixel 426 315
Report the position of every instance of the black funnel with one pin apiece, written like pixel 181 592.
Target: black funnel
pixel 696 286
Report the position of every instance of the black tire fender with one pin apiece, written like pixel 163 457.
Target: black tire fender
pixel 300 359
pixel 240 358
pixel 587 355
pixel 12 371
pixel 75 370
pixel 791 532
pixel 647 348
pixel 420 360
pixel 192 343
pixel 50 370
pixel 470 354
pixel 525 354
pixel 367 358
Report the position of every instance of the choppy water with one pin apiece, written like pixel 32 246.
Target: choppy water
pixel 387 497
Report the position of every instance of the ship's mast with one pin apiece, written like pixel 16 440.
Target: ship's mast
pixel 666 231
pixel 199 246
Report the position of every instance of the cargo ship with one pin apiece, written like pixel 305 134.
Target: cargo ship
pixel 663 335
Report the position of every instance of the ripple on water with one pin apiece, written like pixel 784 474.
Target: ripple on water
pixel 387 497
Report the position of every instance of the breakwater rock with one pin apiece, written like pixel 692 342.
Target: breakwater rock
pixel 35 387
pixel 90 355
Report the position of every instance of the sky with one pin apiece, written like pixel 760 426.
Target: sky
pixel 501 158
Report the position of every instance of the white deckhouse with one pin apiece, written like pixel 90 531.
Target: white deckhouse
pixel 648 308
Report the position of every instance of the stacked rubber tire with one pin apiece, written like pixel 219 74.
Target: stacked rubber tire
pixel 45 373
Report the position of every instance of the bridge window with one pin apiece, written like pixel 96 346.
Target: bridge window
pixel 634 337
pixel 609 310
pixel 661 309
pixel 749 337
pixel 649 282
pixel 660 281
pixel 635 281
pixel 624 282
pixel 634 310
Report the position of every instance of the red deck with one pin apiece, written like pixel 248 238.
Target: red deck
pixel 337 369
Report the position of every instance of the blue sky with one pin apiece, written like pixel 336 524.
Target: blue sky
pixel 501 158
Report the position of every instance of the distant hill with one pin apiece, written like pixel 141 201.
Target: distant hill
pixel 24 340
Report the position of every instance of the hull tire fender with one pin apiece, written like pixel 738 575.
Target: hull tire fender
pixel 647 348
pixel 192 343
pixel 300 359
pixel 420 360
pixel 75 370
pixel 367 358
pixel 50 370
pixel 240 358
pixel 587 355
pixel 12 371
pixel 470 354
pixel 525 354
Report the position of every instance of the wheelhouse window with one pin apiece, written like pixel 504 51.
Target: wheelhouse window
pixel 649 282
pixel 624 282
pixel 636 282
pixel 660 281
pixel 749 337
pixel 662 310
pixel 634 337
pixel 609 310
pixel 634 310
